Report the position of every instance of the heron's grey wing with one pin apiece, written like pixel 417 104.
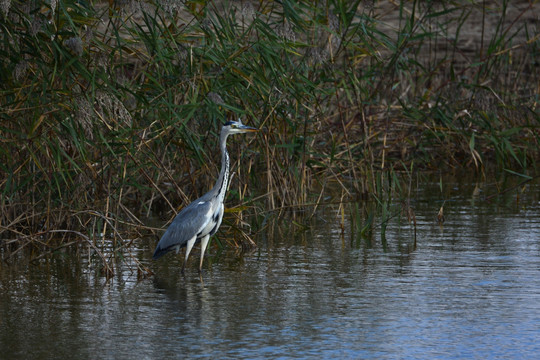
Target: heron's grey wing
pixel 187 224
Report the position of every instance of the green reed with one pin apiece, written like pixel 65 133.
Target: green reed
pixel 110 111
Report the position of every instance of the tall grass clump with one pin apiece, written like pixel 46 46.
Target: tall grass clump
pixel 110 110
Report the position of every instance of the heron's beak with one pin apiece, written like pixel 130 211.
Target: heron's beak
pixel 245 128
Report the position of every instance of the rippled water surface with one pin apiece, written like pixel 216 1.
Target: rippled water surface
pixel 468 289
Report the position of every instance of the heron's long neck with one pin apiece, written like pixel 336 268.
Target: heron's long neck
pixel 221 184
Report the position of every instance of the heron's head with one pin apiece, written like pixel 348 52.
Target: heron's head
pixel 236 127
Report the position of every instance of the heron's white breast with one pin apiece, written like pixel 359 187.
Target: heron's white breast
pixel 209 224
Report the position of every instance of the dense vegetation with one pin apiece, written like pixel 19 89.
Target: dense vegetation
pixel 110 110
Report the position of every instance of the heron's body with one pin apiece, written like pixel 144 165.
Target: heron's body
pixel 202 218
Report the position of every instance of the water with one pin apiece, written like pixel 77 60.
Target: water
pixel 470 289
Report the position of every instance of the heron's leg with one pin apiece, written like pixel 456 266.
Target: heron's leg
pixel 189 246
pixel 204 243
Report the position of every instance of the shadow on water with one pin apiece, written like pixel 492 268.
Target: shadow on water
pixel 312 289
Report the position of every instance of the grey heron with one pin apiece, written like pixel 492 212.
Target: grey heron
pixel 202 218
